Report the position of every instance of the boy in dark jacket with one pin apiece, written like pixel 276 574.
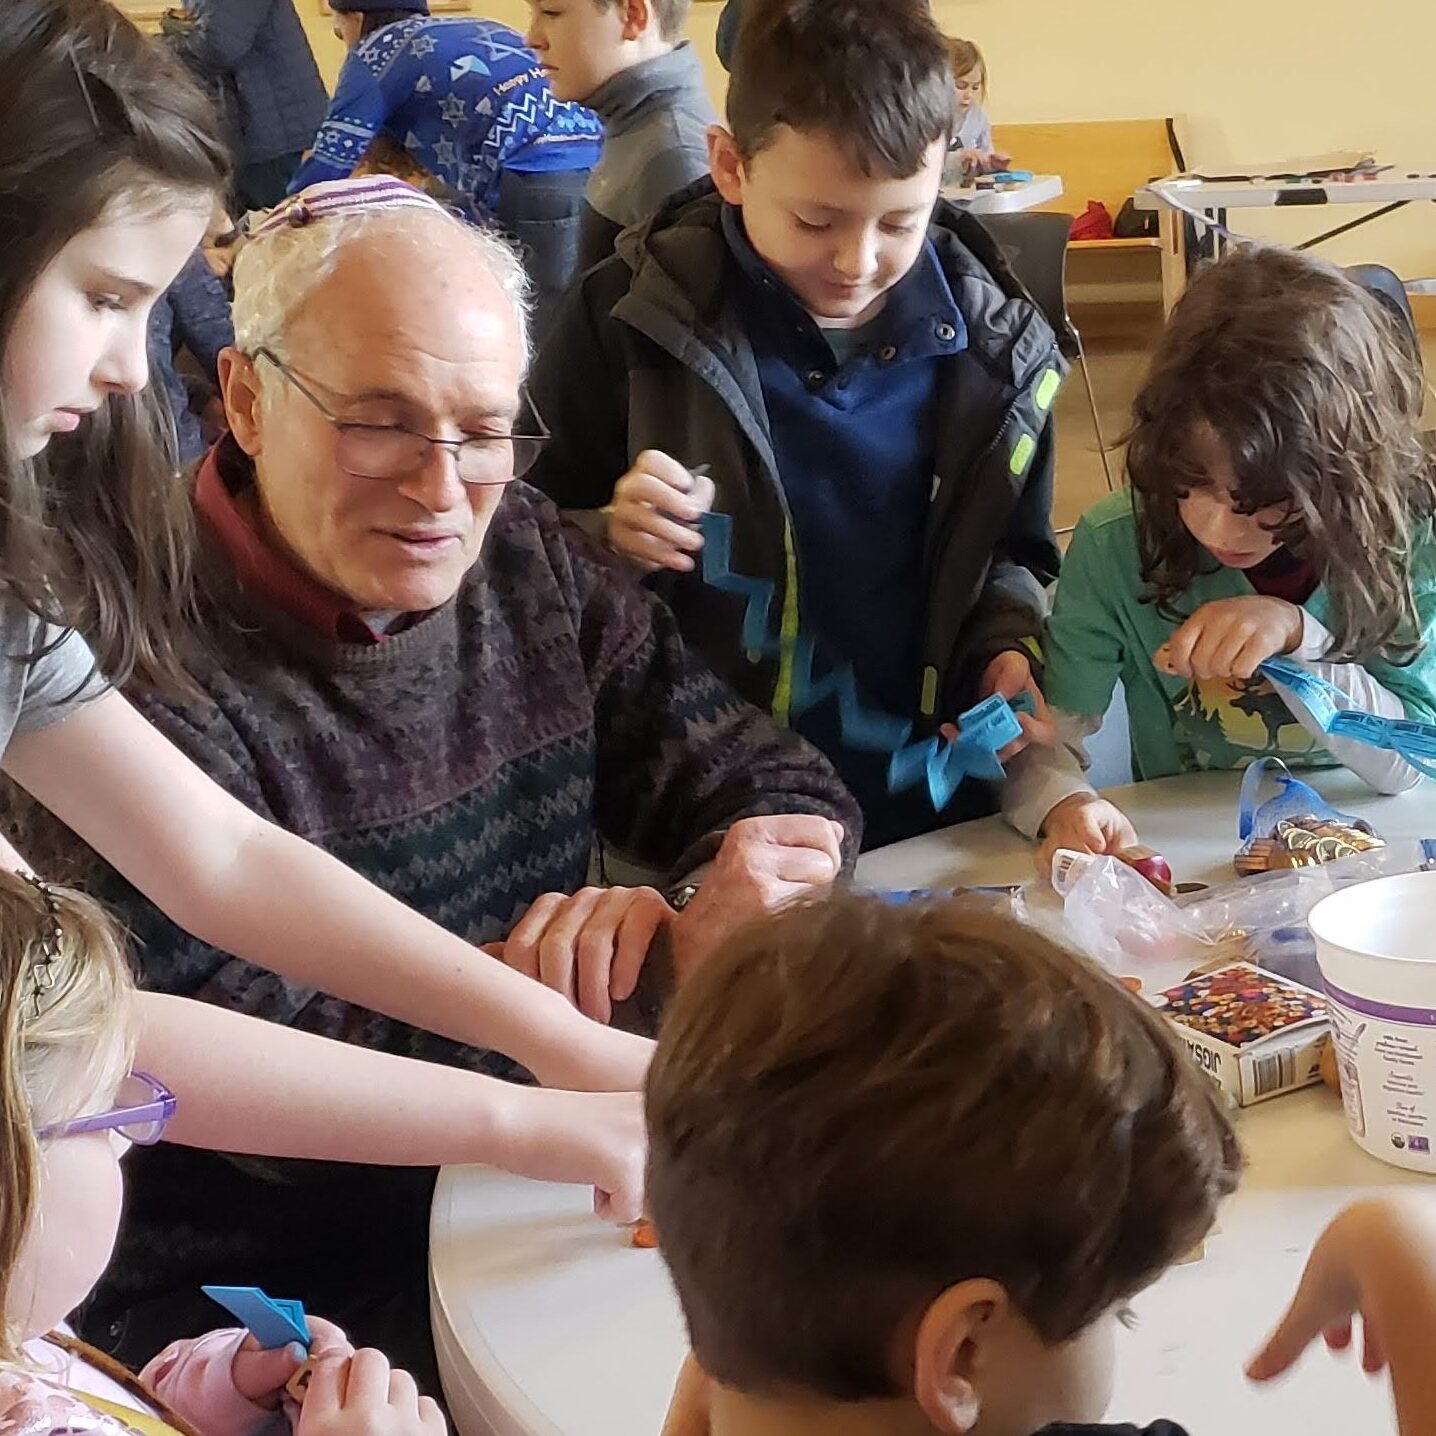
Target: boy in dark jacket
pixel 869 386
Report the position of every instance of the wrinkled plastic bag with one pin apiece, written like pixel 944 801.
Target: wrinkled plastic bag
pixel 1116 916
pixel 1136 932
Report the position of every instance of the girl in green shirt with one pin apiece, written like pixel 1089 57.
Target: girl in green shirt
pixel 1280 502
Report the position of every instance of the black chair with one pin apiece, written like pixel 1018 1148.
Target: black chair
pixel 1386 285
pixel 1035 246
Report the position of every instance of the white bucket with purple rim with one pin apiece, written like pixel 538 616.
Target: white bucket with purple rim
pixel 1376 946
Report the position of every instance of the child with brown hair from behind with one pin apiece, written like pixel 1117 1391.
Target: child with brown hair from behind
pixel 69 1108
pixel 908 1163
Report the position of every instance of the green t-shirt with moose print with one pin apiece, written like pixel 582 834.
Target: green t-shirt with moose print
pixel 1101 630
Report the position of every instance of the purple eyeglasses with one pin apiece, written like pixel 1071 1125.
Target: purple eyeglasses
pixel 142 1109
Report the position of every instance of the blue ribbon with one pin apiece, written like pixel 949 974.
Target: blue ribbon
pixel 1414 741
pixel 982 732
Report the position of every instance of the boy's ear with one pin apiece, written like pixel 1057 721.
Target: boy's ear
pixel 239 387
pixel 949 1353
pixel 726 164
pixel 637 17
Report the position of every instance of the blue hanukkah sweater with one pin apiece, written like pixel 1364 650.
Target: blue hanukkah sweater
pixel 465 97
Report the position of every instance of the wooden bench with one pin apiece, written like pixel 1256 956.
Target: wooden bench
pixel 1106 160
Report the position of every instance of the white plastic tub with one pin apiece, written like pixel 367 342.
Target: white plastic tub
pixel 1376 946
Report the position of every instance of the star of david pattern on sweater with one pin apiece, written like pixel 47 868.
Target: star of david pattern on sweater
pixel 465 97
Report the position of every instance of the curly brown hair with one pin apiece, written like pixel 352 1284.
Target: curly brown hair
pixel 1315 389
pixel 857 1104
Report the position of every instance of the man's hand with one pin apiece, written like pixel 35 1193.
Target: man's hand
pixel 260 1376
pixel 362 1395
pixel 1084 823
pixel 1010 674
pixel 655 507
pixel 590 946
pixel 763 863
pixel 1231 638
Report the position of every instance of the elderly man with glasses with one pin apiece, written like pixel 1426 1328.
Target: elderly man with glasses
pixel 407 658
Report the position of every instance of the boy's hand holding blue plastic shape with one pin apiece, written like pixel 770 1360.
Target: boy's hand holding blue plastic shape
pixel 1010 674
pixel 655 507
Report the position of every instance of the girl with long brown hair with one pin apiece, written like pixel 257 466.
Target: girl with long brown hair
pixel 109 170
pixel 1281 503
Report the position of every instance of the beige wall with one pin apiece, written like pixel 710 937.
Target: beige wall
pixel 1253 80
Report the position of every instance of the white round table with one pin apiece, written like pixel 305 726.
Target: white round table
pixel 1027 194
pixel 547 1323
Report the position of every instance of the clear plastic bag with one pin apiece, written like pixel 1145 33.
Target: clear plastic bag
pixel 1136 932
pixel 1116 916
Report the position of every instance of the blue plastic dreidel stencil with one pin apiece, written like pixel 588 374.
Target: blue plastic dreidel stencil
pixel 273 1322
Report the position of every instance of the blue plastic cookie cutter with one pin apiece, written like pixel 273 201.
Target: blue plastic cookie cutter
pixel 982 732
pixel 272 1321
pixel 1414 741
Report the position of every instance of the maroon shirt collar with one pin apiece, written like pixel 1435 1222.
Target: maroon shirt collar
pixel 262 569
pixel 1283 575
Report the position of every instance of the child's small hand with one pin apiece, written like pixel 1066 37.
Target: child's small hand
pixel 655 505
pixel 1231 638
pixel 1084 823
pixel 1376 1260
pixel 260 1376
pixel 363 1395
pixel 1010 674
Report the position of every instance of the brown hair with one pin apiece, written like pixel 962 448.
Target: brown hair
pixel 1315 390
pixel 965 57
pixel 62 1048
pixel 856 1105
pixel 97 532
pixel 672 15
pixel 874 78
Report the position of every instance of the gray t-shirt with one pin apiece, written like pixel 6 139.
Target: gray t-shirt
pixel 974 130
pixel 37 693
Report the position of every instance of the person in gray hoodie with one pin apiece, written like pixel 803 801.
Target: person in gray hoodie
pixel 627 61
pixel 254 58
